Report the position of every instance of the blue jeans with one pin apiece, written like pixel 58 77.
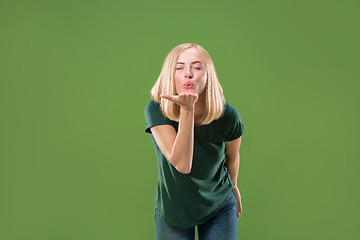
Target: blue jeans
pixel 222 226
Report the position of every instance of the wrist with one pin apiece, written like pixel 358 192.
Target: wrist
pixel 186 109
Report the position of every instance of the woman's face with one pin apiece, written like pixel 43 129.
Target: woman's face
pixel 190 72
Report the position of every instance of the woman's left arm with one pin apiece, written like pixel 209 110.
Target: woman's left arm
pixel 232 161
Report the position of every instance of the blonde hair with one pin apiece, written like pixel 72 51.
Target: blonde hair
pixel 215 100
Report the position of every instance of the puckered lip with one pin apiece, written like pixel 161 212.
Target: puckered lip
pixel 188 84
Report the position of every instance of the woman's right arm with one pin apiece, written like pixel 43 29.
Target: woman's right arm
pixel 178 147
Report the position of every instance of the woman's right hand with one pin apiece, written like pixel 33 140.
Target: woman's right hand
pixel 185 100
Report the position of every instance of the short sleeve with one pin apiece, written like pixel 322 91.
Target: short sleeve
pixel 234 128
pixel 154 116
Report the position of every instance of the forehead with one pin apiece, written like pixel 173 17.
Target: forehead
pixel 190 55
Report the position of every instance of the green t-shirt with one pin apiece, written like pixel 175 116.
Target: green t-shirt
pixel 186 200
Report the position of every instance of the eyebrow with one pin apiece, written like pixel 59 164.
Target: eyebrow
pixel 192 62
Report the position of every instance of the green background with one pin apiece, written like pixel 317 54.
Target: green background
pixel 75 78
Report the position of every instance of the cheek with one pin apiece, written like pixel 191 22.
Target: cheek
pixel 203 80
pixel 201 84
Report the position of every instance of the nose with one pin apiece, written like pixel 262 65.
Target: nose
pixel 188 74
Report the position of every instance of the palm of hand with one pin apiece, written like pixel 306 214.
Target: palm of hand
pixel 186 100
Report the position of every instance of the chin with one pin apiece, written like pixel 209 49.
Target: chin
pixel 189 91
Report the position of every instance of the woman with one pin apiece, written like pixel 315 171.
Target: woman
pixel 193 131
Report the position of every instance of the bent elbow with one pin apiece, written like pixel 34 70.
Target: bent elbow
pixel 183 170
pixel 180 166
pixel 187 171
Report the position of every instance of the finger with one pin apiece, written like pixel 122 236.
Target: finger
pixel 189 94
pixel 168 97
